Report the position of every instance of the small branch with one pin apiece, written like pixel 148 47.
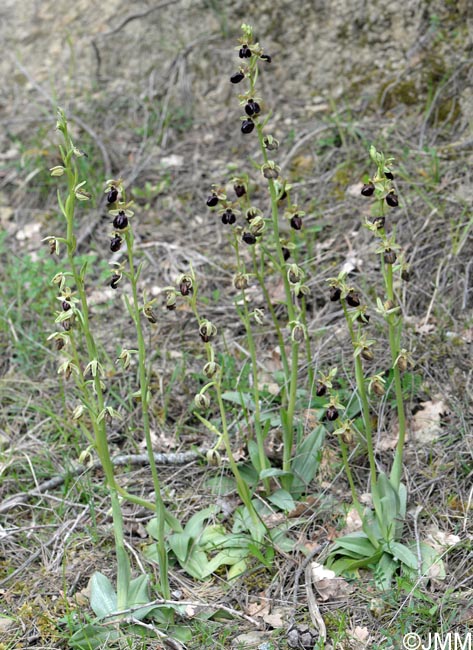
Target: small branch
pixel 173 458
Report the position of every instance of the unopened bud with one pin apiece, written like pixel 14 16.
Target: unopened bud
pixel 202 401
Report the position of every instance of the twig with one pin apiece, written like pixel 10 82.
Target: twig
pixel 187 603
pixel 173 458
pixel 314 611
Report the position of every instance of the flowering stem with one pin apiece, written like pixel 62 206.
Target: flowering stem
pixel 394 327
pixel 135 313
pixel 288 417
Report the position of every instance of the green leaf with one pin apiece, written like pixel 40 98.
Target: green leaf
pixel 241 399
pixel 283 500
pixel 254 455
pixel 91 637
pixel 306 461
pixel 357 543
pixel 179 543
pixel 273 471
pixel 103 598
pixel 384 571
pixel 401 552
pixel 138 594
pixel 237 570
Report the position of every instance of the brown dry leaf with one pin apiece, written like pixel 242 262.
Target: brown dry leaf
pixel 426 424
pixel 278 617
pixel 259 608
pixel 441 540
pixel 327 584
pixel 353 522
pixel 359 637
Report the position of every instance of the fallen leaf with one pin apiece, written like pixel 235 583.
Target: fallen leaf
pixel 327 584
pixel 359 637
pixel 353 522
pixel 426 423
pixel 441 540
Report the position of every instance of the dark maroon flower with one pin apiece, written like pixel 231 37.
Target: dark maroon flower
pixel 406 275
pixel 240 190
pixel 392 200
pixel 296 222
pixel 286 253
pixel 115 280
pixel 389 256
pixel 389 176
pixel 115 243
pixel 353 299
pixel 121 221
pixel 245 52
pixel 65 305
pixel 379 222
pixel 367 189
pixel 212 201
pixel 331 414
pixel 248 238
pixel 321 390
pixel 335 293
pixel 265 57
pixel 228 217
pixel 247 126
pixel 237 77
pixel 252 108
pixel 112 195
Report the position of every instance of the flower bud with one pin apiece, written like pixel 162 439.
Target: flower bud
pixel 210 369
pixel 378 388
pixel 207 331
pixel 150 314
pixel 367 354
pixel 257 226
pixel 258 315
pixel 402 362
pixel 406 275
pixel 115 280
pixel 57 171
pixel 270 143
pixel 294 273
pixel 240 281
pixel 171 300
pixel 347 437
pixel 379 222
pixel 185 284
pixel 298 333
pixel 389 256
pixel 251 213
pixel 202 401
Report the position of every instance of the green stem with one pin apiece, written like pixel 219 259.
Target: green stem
pixel 394 327
pixel 144 390
pixel 288 420
pixel 101 442
pixel 365 409
pixel 242 487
